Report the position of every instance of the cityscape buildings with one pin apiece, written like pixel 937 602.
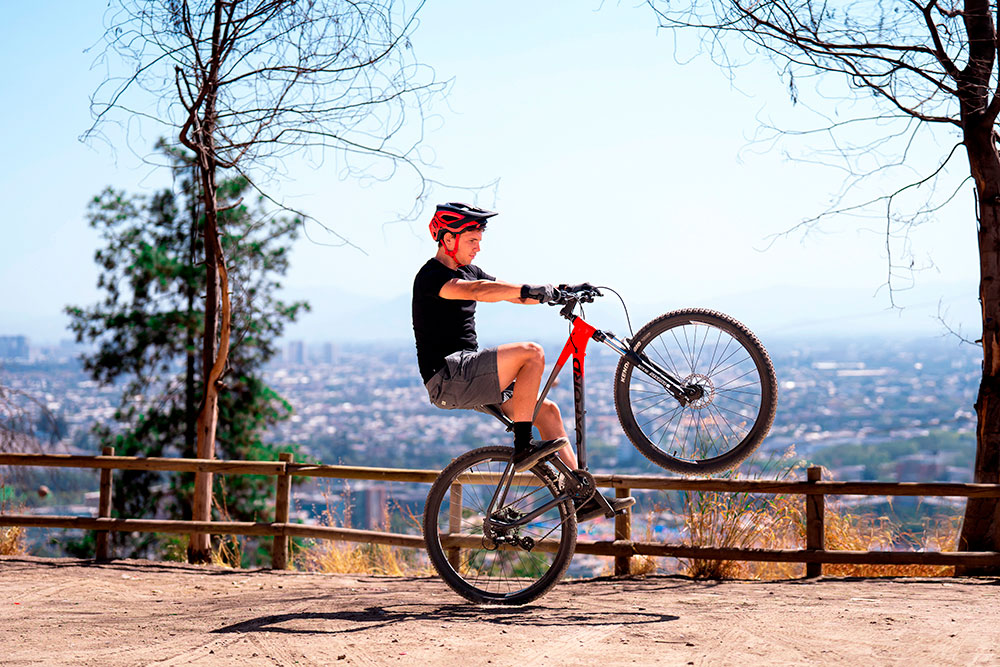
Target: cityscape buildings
pixel 848 404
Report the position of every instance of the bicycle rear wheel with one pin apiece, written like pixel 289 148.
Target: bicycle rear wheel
pixel 486 565
pixel 734 392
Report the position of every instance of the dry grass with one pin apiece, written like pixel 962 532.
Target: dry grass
pixel 229 550
pixel 741 521
pixel 870 532
pixel 351 558
pixel 12 538
pixel 745 521
pixel 12 541
pixel 639 566
pixel 354 558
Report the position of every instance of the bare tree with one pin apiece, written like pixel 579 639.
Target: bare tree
pixel 245 83
pixel 928 63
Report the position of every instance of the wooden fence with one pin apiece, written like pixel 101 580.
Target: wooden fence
pixel 622 548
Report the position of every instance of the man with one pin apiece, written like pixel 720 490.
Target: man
pixel 456 373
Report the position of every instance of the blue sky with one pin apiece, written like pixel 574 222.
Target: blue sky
pixel 615 163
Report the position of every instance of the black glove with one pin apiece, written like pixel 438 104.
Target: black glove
pixel 582 287
pixel 541 293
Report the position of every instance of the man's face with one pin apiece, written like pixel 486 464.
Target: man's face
pixel 468 246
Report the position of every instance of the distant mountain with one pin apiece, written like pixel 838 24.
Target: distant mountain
pixel 790 311
pixel 787 311
pixel 805 311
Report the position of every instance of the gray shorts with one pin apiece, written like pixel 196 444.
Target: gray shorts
pixel 468 380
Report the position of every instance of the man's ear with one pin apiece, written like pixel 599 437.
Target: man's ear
pixel 454 239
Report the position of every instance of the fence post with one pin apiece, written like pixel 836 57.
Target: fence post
pixel 455 524
pixel 103 508
pixel 815 529
pixel 282 500
pixel 623 532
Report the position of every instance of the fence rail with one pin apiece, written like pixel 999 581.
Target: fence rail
pixel 622 548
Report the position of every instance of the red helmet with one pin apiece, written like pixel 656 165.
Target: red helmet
pixel 457 218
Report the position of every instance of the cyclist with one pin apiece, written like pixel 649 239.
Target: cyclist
pixel 456 373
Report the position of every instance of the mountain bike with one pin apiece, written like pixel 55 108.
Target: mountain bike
pixel 695 392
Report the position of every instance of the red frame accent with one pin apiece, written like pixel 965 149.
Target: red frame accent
pixel 577 345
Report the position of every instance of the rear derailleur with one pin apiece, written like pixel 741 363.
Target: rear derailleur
pixel 494 536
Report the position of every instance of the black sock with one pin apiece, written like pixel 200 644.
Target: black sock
pixel 522 436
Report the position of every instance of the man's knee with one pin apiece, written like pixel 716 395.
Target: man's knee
pixel 522 354
pixel 549 412
pixel 535 353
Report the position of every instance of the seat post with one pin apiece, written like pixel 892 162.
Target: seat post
pixel 495 410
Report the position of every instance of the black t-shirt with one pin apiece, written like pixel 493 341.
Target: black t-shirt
pixel 442 326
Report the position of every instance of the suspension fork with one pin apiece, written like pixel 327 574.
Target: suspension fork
pixel 683 393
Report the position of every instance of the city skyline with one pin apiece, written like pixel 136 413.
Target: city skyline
pixel 355 404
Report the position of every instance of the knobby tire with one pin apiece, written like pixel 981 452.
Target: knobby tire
pixel 734 412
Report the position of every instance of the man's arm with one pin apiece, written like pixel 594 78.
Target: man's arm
pixel 490 291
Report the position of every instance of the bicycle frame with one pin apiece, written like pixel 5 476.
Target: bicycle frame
pixel 576 346
pixel 580 335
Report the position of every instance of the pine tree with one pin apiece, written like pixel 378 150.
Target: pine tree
pixel 146 334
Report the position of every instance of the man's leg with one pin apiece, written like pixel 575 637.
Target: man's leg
pixel 523 364
pixel 550 426
pixel 526 361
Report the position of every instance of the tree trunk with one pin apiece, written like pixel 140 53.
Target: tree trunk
pixel 190 401
pixel 981 527
pixel 217 289
pixel 199 547
pixel 217 321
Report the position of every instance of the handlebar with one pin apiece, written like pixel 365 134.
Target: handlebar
pixel 582 293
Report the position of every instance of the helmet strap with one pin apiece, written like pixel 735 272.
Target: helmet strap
pixel 452 253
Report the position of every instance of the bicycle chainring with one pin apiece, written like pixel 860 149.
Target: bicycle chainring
pixel 585 488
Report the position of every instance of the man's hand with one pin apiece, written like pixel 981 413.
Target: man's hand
pixel 582 287
pixel 540 293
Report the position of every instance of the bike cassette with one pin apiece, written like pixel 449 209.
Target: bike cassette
pixel 493 542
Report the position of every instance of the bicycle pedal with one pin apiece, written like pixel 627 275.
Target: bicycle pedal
pixel 620 506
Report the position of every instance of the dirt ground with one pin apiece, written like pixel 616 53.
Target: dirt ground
pixel 63 611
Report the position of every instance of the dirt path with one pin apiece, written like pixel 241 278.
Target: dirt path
pixel 138 612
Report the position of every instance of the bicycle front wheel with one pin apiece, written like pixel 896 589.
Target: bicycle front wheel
pixel 731 392
pixel 480 554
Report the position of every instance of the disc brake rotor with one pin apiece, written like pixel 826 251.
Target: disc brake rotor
pixel 705 390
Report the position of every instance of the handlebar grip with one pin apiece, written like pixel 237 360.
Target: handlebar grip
pixel 582 289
